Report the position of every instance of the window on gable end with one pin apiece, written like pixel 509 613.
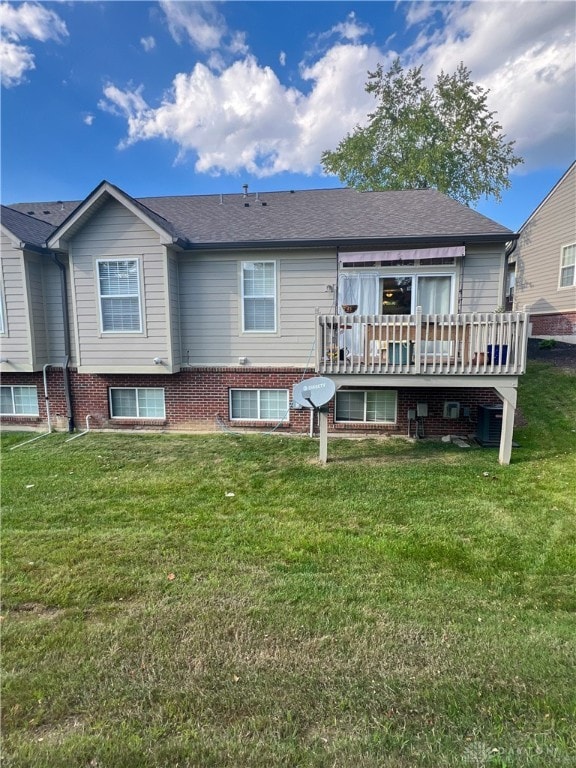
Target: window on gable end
pixel 568 266
pixel 119 293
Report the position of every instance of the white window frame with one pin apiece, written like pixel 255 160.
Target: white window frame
pixel 364 420
pixel 119 296
pixel 282 420
pixel 13 387
pixel 273 296
pixel 415 276
pixel 563 254
pixel 138 416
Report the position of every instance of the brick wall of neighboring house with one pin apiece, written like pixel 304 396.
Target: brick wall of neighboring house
pixel 198 399
pixel 558 324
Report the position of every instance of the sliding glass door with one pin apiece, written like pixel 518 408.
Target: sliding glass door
pixel 402 294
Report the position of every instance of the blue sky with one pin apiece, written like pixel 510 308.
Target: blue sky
pixel 166 98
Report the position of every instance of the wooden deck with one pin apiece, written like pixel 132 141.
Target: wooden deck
pixel 470 344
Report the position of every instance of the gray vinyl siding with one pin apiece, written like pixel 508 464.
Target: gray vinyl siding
pixel 115 233
pixel 174 307
pixel 36 305
pixel 53 312
pixel 16 341
pixel 539 252
pixel 483 278
pixel 211 312
pixel 34 334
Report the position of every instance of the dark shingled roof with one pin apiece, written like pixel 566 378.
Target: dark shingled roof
pixel 26 228
pixel 321 216
pixel 52 213
pixel 332 215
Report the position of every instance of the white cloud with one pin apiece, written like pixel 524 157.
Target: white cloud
pixel 523 52
pixel 15 61
pixel 148 43
pixel 239 116
pixel 282 58
pixel 203 26
pixel 245 119
pixel 88 119
pixel 238 44
pixel 199 22
pixel 351 29
pixel 29 20
pixel 418 12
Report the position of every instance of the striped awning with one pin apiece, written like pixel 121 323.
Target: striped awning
pixel 408 254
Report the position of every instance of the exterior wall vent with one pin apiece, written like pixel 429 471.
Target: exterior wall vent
pixel 451 410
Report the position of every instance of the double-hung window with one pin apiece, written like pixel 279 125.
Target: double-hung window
pixel 137 403
pixel 18 401
pixel 119 292
pixel 373 405
pixel 259 296
pixel 568 266
pixel 259 404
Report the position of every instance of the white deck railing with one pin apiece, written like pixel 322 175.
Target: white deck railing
pixel 470 343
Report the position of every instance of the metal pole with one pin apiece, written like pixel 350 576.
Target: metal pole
pixel 323 414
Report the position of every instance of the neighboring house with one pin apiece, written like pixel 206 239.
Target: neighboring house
pixel 187 313
pixel 545 263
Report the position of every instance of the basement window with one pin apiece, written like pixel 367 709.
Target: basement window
pixel 259 404
pixel 369 406
pixel 18 401
pixel 137 403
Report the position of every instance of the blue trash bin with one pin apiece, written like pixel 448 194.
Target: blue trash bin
pixel 500 353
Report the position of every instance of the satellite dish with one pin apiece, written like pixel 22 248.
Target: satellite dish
pixel 313 393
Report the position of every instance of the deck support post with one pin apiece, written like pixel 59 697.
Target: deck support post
pixel 508 395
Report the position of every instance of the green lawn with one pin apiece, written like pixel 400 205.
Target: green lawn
pixel 409 604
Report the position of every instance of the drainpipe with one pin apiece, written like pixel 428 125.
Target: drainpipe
pixel 510 248
pixel 66 361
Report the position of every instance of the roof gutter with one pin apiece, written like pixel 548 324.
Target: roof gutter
pixel 511 247
pixel 351 242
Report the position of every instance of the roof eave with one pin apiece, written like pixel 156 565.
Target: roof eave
pixel 500 237
pixel 19 244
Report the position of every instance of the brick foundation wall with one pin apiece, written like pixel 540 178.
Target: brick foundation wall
pixel 554 324
pixel 198 399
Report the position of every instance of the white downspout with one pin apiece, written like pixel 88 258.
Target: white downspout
pixel 46 398
pixel 81 433
pixel 47 401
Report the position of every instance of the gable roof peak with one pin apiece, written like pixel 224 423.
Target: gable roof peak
pixel 101 194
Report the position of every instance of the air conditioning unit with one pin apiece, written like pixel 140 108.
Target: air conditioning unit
pixel 451 410
pixel 489 426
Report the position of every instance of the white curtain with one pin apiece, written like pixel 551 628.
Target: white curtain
pixel 364 291
pixel 434 298
pixel 434 295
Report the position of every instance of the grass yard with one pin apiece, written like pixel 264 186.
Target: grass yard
pixel 408 605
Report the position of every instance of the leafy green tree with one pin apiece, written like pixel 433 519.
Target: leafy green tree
pixel 443 137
